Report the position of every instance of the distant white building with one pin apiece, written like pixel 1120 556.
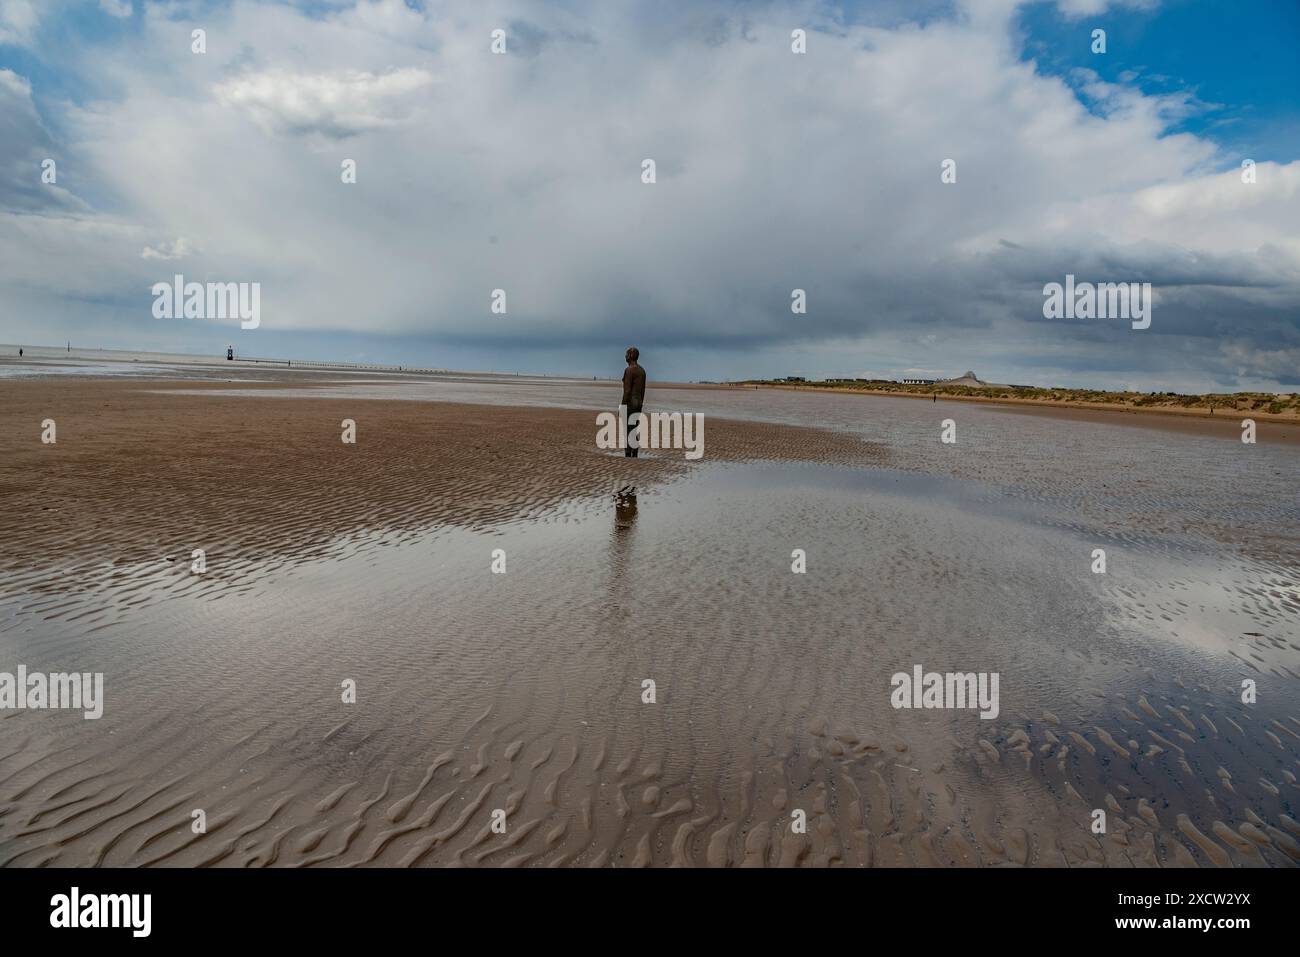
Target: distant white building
pixel 918 382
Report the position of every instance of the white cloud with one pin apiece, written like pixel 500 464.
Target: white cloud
pixel 18 22
pixel 334 104
pixel 168 251
pixel 15 85
pixel 116 8
pixel 1074 9
pixel 25 147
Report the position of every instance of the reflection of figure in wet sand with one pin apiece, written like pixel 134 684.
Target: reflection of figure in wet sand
pixel 620 545
pixel 625 507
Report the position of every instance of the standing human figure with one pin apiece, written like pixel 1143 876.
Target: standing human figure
pixel 633 396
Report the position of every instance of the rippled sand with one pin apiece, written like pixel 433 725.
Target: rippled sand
pixel 523 692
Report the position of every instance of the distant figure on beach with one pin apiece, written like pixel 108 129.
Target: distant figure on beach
pixel 20 352
pixel 633 395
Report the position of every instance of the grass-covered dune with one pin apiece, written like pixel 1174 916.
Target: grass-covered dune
pixel 1265 403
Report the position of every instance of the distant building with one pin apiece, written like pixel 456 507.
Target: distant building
pixel 795 378
pixel 918 382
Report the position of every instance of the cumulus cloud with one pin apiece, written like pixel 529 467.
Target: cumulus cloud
pixel 27 151
pixel 168 251
pixel 18 22
pixel 336 105
pixel 775 171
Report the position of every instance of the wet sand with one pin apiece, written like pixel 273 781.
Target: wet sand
pixel 140 470
pixel 524 692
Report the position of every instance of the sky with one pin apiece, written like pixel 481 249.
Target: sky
pixel 774 171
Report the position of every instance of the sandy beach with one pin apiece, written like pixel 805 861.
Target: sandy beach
pixel 525 692
pixel 148 468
